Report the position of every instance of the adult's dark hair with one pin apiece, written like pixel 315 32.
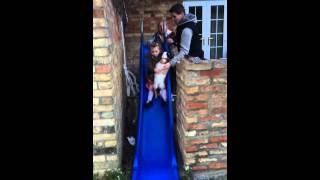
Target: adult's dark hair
pixel 177 8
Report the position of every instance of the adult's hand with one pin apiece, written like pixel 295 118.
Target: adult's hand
pixel 166 66
pixel 156 70
pixel 170 40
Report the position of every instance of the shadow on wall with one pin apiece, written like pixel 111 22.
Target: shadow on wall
pixel 130 130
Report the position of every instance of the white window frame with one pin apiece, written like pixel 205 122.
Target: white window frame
pixel 206 23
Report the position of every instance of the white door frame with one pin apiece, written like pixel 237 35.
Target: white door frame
pixel 203 4
pixel 206 23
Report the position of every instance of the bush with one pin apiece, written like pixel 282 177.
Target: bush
pixel 187 173
pixel 95 177
pixel 114 174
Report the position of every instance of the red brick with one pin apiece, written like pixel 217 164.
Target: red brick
pixel 224 130
pixel 191 149
pixel 148 12
pixel 197 126
pixel 98 13
pixel 209 146
pixel 197 82
pixel 147 29
pixel 218 101
pixel 190 90
pixel 103 69
pixel 197 141
pixel 212 73
pixel 202 97
pixel 203 65
pixel 218 139
pixel 213 88
pixel 220 96
pixel 132 27
pixel 194 105
pixel 199 168
pixel 201 112
pixel 133 11
pixel 218 165
pixel 209 118
pixel 187 98
pixel 219 110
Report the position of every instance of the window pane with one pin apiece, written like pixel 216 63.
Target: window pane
pixel 199 12
pixel 213 27
pixel 192 10
pixel 220 26
pixel 219 52
pixel 220 39
pixel 220 12
pixel 212 40
pixel 212 53
pixel 213 12
pixel 199 25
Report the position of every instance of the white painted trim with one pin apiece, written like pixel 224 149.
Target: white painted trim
pixel 206 23
pixel 225 30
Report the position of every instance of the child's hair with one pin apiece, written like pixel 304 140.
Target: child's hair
pixel 155 44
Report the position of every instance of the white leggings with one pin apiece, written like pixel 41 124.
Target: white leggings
pixel 159 81
pixel 163 94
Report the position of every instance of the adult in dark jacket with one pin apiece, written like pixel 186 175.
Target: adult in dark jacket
pixel 188 40
pixel 187 36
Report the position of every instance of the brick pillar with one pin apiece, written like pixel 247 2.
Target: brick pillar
pixel 201 115
pixel 107 87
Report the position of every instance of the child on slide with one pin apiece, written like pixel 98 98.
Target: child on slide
pixel 160 76
pixel 155 73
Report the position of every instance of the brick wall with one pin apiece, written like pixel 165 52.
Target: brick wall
pixel 201 91
pixel 107 86
pixel 201 115
pixel 152 12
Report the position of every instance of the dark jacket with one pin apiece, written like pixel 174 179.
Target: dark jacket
pixel 151 65
pixel 195 45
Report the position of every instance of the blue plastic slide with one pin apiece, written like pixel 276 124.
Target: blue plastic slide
pixel 155 157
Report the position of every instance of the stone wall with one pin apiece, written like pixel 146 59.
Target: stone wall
pixel 108 93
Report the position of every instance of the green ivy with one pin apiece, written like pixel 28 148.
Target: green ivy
pixel 187 173
pixel 118 174
pixel 114 174
pixel 95 176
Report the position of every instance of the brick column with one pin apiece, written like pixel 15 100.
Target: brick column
pixel 201 115
pixel 107 87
